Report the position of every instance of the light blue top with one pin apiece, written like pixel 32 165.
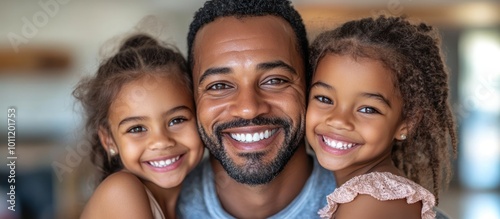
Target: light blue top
pixel 198 197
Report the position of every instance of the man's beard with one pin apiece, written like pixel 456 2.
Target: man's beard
pixel 254 171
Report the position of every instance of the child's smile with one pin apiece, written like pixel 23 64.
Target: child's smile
pixel 337 144
pixel 161 163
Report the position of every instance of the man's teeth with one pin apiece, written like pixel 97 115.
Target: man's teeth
pixel 252 137
pixel 164 163
pixel 337 144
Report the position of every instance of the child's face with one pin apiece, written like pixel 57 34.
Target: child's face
pixel 153 124
pixel 353 113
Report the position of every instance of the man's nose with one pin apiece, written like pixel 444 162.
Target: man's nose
pixel 249 103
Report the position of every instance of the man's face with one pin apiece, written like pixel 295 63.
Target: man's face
pixel 249 85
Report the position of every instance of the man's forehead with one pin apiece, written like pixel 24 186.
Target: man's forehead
pixel 224 29
pixel 245 43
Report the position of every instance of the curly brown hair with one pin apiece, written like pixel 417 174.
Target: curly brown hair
pixel 412 52
pixel 139 56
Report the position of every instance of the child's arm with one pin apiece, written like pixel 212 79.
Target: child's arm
pixel 120 195
pixel 366 206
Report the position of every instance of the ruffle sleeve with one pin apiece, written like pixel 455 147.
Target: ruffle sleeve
pixel 382 186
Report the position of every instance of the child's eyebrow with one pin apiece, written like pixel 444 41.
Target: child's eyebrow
pixel 130 119
pixel 177 109
pixel 142 118
pixel 322 84
pixel 378 97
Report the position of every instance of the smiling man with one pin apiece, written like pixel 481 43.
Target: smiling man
pixel 250 95
pixel 249 68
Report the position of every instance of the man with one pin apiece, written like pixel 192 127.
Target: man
pixel 249 64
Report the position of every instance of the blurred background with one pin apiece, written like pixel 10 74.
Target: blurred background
pixel 46 46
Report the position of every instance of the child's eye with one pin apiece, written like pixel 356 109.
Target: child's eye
pixel 323 99
pixel 369 110
pixel 137 129
pixel 176 121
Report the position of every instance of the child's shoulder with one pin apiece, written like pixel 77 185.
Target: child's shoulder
pixel 121 180
pixel 380 195
pixel 374 208
pixel 121 184
pixel 120 195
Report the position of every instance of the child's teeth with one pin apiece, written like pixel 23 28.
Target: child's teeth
pixel 164 163
pixel 337 144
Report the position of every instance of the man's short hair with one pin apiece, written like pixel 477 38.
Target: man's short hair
pixel 214 9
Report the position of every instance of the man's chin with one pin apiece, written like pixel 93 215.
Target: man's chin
pixel 246 168
pixel 251 176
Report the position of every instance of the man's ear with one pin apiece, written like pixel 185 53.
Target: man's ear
pixel 107 141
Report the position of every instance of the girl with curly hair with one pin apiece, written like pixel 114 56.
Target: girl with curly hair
pixel 379 118
pixel 141 122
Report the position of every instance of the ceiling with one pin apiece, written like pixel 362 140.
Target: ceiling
pixel 458 13
pixel 446 12
pixel 189 4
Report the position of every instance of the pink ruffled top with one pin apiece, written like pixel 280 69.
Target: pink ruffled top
pixel 382 186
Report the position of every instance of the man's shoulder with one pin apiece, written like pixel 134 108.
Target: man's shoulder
pixel 195 180
pixel 321 182
pixel 194 192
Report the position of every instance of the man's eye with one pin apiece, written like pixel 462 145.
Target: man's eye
pixel 323 99
pixel 219 86
pixel 275 81
pixel 137 129
pixel 176 121
pixel 368 110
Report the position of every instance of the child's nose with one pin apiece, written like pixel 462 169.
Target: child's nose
pixel 340 119
pixel 161 141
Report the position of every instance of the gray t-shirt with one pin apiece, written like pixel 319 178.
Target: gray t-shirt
pixel 198 197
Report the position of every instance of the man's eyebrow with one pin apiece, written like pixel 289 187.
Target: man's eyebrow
pixel 276 64
pixel 213 71
pixel 378 97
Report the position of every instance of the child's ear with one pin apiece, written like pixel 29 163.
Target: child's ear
pixel 407 126
pixel 402 131
pixel 107 141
